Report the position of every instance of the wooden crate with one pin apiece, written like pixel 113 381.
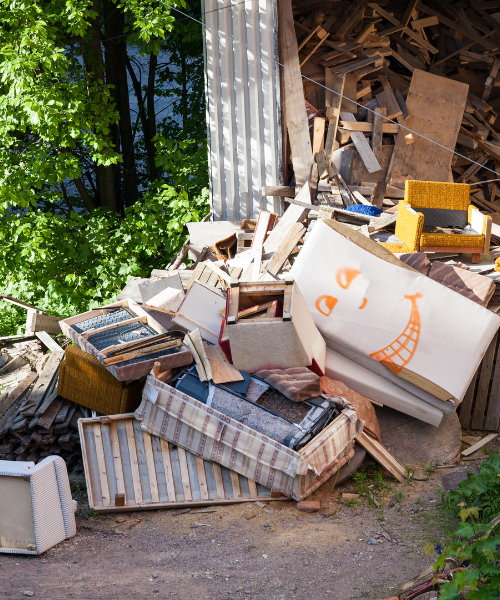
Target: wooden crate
pixel 480 408
pixel 120 458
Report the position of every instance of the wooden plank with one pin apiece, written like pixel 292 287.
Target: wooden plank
pixel 387 100
pixel 134 463
pixel 100 330
pixel 296 116
pixel 466 404
pixel 425 22
pixel 46 323
pixel 278 190
pixel 318 135
pixel 115 446
pixel 490 437
pixel 333 98
pixel 109 461
pixel 380 454
pixel 167 463
pixel 253 488
pixel 492 420
pixel 142 462
pixel 436 105
pixel 457 27
pixel 285 248
pixel 377 136
pixel 478 417
pixel 366 127
pixel 293 214
pixel 151 467
pixel 90 464
pixel 355 64
pixel 412 34
pixel 47 341
pixel 184 474
pixel 201 478
pixel 50 413
pixel 362 146
pixel 222 370
pixel 236 484
pixel 218 480
pixel 34 400
pixel 18 392
pixel 101 464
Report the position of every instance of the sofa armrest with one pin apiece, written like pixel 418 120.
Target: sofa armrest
pixel 481 224
pixel 409 226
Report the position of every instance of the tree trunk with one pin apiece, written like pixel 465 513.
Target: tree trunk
pixel 93 58
pixel 116 74
pixel 184 93
pixel 150 96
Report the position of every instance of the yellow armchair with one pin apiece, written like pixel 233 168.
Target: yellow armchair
pixel 437 217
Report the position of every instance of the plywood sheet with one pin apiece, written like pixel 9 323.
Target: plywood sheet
pixel 436 106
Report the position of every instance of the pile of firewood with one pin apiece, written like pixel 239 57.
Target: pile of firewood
pixel 34 421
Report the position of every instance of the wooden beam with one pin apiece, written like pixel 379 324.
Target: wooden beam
pixel 295 108
pixel 48 342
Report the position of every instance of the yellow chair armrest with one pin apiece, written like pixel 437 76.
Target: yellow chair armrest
pixel 409 225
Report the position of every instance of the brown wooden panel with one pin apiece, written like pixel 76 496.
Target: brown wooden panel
pixel 483 388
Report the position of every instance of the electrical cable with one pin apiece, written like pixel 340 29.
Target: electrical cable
pixel 221 33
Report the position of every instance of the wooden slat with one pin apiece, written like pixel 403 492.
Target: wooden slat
pixel 185 474
pixel 466 405
pixel 478 417
pixel 134 463
pixel 253 488
pixel 202 478
pixel 168 470
pixel 18 392
pixel 34 400
pixel 222 370
pixel 103 478
pixel 151 467
pixel 236 484
pixel 218 480
pixel 296 115
pixel 382 456
pixel 285 248
pixel 115 445
pixel 365 152
pixel 492 421
pixel 51 344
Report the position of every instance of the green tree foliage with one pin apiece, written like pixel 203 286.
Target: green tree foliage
pixel 102 146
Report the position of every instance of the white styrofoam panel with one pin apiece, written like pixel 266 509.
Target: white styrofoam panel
pixel 243 111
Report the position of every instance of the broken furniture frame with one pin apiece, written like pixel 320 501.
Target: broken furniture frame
pixel 168 352
pixel 128 469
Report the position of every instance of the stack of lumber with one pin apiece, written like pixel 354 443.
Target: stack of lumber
pixel 429 67
pixel 34 421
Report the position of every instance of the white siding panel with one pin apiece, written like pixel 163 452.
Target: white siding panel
pixel 243 114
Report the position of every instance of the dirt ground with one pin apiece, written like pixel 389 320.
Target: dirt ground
pixel 243 551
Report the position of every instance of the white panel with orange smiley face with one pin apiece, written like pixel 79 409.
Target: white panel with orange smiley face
pixel 397 316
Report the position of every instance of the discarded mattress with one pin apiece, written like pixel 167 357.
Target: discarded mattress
pixel 182 420
pixel 380 390
pixel 36 508
pixel 379 307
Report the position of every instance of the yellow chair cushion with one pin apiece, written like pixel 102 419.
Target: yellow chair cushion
pixel 394 247
pixel 455 241
pixel 432 194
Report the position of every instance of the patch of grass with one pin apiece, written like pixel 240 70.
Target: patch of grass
pixel 80 495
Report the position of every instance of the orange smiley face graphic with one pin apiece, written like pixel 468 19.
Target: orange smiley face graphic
pixel 399 353
pixel 344 277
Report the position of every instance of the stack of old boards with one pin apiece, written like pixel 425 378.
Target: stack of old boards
pixel 369 87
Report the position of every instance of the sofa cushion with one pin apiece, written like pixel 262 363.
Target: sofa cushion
pixel 443 217
pixel 448 239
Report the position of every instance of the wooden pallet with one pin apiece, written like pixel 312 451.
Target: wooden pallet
pixel 480 408
pixel 119 458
